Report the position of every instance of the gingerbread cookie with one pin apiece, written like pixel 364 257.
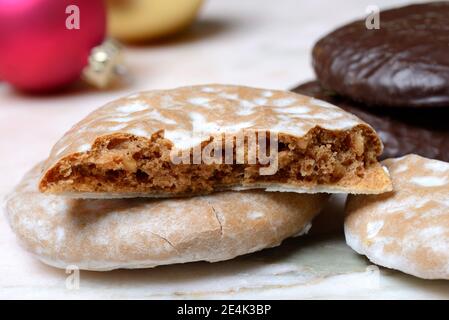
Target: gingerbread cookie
pixel 403 63
pixel 407 229
pixel 200 139
pixel 141 233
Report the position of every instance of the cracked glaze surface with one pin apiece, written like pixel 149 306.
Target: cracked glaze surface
pixel 140 233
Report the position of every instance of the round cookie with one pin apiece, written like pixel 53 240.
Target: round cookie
pixel 407 229
pixel 403 131
pixel 206 138
pixel 141 233
pixel 403 63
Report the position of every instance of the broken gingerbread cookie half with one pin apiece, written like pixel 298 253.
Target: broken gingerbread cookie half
pixel 201 139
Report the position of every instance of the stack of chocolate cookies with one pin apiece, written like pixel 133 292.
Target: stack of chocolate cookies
pixel 396 78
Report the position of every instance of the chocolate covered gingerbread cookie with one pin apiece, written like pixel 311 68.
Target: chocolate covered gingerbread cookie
pixel 403 63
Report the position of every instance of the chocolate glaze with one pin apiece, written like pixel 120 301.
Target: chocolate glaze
pixel 402 130
pixel 404 63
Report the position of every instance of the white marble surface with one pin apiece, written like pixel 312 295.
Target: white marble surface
pixel 254 42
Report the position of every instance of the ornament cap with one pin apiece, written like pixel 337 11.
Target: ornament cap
pixel 105 64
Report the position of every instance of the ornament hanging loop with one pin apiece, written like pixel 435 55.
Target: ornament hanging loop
pixel 105 64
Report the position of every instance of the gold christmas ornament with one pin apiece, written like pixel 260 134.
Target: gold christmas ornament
pixel 142 20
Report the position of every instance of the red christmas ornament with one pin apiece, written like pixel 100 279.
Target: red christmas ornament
pixel 46 44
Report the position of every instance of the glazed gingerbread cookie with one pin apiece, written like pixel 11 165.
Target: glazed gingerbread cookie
pixel 407 229
pixel 200 139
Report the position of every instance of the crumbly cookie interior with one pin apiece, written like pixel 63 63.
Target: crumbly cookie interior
pixel 129 164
